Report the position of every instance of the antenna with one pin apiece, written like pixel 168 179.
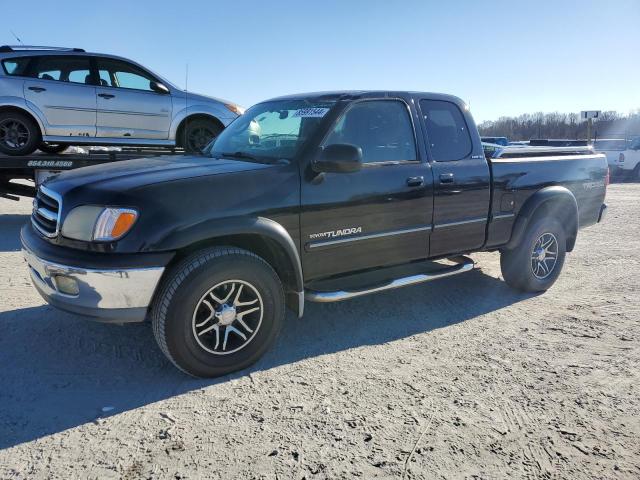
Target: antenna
pixel 16 36
pixel 186 105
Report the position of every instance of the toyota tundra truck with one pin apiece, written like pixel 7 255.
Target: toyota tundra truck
pixel 306 198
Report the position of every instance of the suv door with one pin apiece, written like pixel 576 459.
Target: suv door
pixel 61 89
pixel 462 182
pixel 127 105
pixel 379 215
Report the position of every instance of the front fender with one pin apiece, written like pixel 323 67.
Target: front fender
pixel 539 199
pixel 209 230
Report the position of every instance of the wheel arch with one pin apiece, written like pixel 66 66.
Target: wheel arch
pixel 25 111
pixel 262 236
pixel 556 201
pixel 193 117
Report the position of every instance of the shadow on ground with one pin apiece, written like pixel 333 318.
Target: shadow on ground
pixel 58 370
pixel 10 231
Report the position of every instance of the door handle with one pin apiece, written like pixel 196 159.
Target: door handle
pixel 446 178
pixel 106 95
pixel 415 181
pixel 37 89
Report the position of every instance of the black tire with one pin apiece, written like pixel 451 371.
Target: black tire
pixel 197 134
pixel 19 134
pixel 174 311
pixel 52 149
pixel 518 265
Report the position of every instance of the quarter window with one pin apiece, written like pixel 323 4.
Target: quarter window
pixel 63 69
pixel 16 66
pixel 114 73
pixel 447 132
pixel 381 128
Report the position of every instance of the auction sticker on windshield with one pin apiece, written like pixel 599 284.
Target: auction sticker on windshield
pixel 310 112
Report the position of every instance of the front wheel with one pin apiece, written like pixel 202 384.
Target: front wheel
pixel 198 134
pixel 535 264
pixel 218 311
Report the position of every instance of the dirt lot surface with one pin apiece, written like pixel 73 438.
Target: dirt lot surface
pixel 461 378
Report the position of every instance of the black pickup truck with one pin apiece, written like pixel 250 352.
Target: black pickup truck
pixel 318 197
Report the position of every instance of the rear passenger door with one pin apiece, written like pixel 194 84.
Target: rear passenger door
pixel 127 105
pixel 462 181
pixel 61 89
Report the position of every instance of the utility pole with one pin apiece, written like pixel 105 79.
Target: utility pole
pixel 589 115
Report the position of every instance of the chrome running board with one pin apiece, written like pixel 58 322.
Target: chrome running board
pixel 464 264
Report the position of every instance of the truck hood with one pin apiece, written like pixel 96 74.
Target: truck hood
pixel 123 176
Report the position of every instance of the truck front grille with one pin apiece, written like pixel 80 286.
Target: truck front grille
pixel 46 212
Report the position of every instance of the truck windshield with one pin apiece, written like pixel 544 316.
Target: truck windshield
pixel 270 131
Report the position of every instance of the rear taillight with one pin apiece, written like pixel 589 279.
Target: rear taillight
pixel 621 158
pixel 607 178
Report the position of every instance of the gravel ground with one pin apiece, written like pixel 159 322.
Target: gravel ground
pixel 461 378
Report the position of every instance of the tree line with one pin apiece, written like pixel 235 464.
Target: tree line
pixel 562 125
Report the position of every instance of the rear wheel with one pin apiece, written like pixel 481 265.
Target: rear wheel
pixel 535 264
pixel 19 134
pixel 52 148
pixel 218 311
pixel 198 133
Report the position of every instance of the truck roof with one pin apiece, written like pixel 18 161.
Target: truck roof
pixel 357 94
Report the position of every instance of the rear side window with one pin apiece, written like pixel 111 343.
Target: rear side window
pixel 68 68
pixel 382 128
pixel 447 132
pixel 16 66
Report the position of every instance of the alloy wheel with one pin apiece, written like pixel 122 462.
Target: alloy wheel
pixel 227 317
pixel 13 133
pixel 544 256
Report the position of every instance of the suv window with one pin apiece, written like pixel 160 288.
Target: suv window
pixel 16 66
pixel 115 73
pixel 74 69
pixel 381 128
pixel 447 131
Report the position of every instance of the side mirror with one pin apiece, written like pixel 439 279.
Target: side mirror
pixel 339 158
pixel 158 87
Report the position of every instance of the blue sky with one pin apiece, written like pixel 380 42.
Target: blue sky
pixel 503 57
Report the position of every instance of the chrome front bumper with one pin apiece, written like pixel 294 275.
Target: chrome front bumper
pixel 118 295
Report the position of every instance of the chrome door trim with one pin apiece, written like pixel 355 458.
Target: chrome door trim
pixel 462 222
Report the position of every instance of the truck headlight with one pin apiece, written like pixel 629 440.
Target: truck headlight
pixel 102 224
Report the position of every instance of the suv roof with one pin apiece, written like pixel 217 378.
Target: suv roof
pixel 358 94
pixel 30 48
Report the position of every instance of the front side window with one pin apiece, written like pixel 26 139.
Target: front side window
pixel 381 128
pixel 270 130
pixel 447 131
pixel 114 73
pixel 69 68
pixel 16 67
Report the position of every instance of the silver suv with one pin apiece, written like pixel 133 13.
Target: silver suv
pixel 51 98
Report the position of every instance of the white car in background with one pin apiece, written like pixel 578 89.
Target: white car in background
pixel 623 157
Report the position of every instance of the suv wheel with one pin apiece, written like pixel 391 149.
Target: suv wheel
pixel 19 134
pixel 535 264
pixel 198 133
pixel 52 148
pixel 218 311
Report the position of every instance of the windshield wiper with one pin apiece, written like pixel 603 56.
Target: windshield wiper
pixel 239 155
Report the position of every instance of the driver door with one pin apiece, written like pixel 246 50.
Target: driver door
pixel 127 106
pixel 379 215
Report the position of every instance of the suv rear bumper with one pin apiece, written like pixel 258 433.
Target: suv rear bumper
pixel 107 293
